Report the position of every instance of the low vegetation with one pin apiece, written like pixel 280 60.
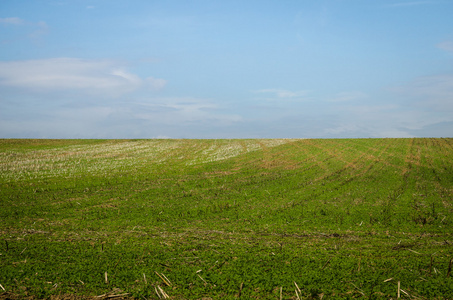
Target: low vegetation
pixel 227 219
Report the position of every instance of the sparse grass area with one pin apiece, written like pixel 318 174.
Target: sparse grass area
pixel 227 219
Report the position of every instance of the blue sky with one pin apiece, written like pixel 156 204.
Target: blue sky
pixel 226 69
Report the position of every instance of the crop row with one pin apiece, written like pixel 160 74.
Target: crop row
pixel 352 218
pixel 102 158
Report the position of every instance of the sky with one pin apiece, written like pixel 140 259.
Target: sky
pixel 226 69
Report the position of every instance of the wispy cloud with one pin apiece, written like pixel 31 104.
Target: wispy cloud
pixel 432 92
pixel 40 28
pixel 446 46
pixel 421 107
pixel 35 29
pixel 281 94
pixel 12 21
pixel 88 76
pixel 348 96
pixel 182 110
pixel 412 3
pixel 129 116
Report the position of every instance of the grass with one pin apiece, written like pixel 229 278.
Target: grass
pixel 227 219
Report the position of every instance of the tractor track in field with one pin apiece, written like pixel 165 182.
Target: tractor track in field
pixel 221 217
pixel 356 165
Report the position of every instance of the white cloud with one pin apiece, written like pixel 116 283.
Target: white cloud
pixel 281 94
pixel 12 21
pixel 40 29
pixel 340 129
pixel 35 30
pixel 412 3
pixel 88 76
pixel 431 92
pixel 118 118
pixel 155 83
pixel 421 107
pixel 182 110
pixel 446 46
pixel 349 96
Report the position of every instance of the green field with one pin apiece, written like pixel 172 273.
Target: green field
pixel 227 219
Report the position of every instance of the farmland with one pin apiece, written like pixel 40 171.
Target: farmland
pixel 227 219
